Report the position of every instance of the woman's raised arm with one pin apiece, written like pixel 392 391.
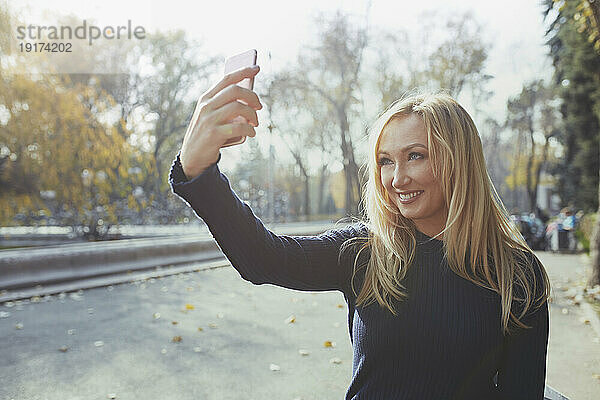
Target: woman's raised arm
pixel 258 254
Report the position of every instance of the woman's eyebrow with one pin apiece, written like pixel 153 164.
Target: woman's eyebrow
pixel 410 146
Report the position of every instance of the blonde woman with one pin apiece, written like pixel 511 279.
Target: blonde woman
pixel 445 299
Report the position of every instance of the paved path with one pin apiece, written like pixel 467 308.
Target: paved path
pixel 114 342
pixel 574 347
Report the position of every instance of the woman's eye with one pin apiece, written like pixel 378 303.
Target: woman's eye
pixel 413 155
pixel 419 155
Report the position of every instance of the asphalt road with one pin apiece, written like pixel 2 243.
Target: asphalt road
pixel 212 335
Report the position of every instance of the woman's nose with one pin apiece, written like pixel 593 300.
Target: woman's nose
pixel 401 180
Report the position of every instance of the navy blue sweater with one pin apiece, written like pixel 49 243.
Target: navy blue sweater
pixel 445 341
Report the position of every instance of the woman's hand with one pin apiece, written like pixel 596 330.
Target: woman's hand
pixel 211 125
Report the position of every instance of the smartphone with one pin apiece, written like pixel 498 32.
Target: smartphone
pixel 233 63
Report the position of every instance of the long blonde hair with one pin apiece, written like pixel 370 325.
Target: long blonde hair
pixel 480 242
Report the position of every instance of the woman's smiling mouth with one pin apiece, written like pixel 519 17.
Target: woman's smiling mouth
pixel 409 197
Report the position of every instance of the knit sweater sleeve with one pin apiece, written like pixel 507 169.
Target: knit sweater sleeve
pixel 260 256
pixel 522 372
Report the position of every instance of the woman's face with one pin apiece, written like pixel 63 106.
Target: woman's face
pixel 407 176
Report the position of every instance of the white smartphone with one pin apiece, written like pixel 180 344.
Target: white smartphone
pixel 233 63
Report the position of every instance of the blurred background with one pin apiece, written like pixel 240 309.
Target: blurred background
pixel 87 137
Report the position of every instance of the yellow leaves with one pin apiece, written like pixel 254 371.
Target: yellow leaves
pixel 329 343
pixel 66 138
pixel 291 319
pixel 177 339
pixel 189 307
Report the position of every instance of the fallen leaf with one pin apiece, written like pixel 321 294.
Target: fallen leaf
pixel 177 339
pixel 4 314
pixel 19 326
pixel 290 320
pixel 329 343
pixel 174 322
pixel 112 396
pixel 584 320
pixel 189 307
pixel 335 360
pixel 303 352
pixel 164 351
pixel 63 349
pixel 220 315
pixel 340 306
pixel 200 329
pixel 212 325
pixel 274 367
pixel 71 332
pixel 99 343
pixel 156 315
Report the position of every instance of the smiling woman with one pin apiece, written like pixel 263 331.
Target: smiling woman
pixel 461 317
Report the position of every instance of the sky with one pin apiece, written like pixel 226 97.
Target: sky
pixel 514 28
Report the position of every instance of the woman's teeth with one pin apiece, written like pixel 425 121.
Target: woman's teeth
pixel 410 195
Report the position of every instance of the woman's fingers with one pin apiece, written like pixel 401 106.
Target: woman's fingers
pixel 235 92
pixel 231 79
pixel 230 131
pixel 231 110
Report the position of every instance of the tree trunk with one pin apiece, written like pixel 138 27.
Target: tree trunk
pixel 321 190
pixel 350 169
pixel 530 189
pixel 307 197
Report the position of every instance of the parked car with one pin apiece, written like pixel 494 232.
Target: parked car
pixel 533 230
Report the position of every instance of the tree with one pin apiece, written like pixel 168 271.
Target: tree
pixel 306 124
pixel 152 94
pixel 574 40
pixel 408 60
pixel 331 72
pixel 532 115
pixel 63 162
